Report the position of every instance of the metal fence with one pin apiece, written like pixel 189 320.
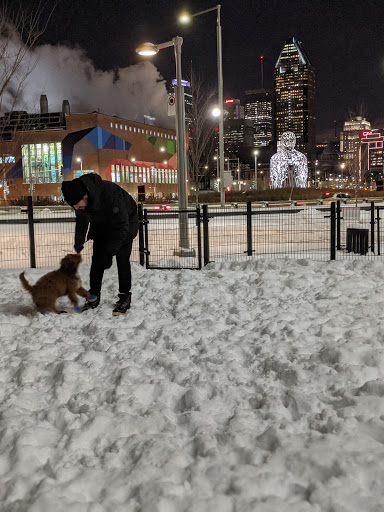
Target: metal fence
pixel 249 231
pixel 41 236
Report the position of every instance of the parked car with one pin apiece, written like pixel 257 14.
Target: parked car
pixel 162 207
pixel 336 196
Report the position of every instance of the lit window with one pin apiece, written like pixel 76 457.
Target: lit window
pixel 42 163
pixel 121 127
pixel 116 125
pixel 111 125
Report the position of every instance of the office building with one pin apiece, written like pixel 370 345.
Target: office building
pixel 294 98
pixel 371 150
pixel 351 136
pixel 232 109
pixel 258 108
pixel 238 137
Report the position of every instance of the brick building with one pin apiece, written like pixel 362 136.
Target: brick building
pixel 39 151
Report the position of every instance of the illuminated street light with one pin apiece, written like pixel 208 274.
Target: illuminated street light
pixel 147 49
pixel 255 154
pixel 342 165
pixel 186 18
pixel 81 164
pixel 150 49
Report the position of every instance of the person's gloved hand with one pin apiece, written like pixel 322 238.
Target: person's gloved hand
pixel 77 308
pixel 78 247
pixel 107 261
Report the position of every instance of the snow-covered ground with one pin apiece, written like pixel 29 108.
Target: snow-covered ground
pixel 245 387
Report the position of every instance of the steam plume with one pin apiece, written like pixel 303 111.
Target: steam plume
pixel 61 73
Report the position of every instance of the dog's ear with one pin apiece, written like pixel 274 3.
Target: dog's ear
pixel 69 264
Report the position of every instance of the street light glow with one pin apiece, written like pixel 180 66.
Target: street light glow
pixel 147 49
pixel 185 18
pixel 216 112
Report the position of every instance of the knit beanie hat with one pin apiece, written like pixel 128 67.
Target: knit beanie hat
pixel 73 191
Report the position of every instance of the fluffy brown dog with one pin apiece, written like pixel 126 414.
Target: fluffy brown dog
pixel 64 281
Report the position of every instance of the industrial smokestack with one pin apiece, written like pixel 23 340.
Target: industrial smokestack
pixel 43 104
pixel 65 108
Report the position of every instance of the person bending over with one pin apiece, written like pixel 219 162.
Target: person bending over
pixel 111 215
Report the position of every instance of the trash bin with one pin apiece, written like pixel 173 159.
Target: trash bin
pixel 357 240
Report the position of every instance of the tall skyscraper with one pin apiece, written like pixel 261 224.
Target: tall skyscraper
pixel 294 101
pixel 258 108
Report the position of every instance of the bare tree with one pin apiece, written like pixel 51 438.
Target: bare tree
pixel 201 129
pixel 20 29
pixel 357 167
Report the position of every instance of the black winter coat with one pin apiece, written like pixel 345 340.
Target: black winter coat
pixel 111 215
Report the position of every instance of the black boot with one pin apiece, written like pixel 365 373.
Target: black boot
pixel 122 304
pixel 91 303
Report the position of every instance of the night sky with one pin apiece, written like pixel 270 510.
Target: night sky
pixel 344 39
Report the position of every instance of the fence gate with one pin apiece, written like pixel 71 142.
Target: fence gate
pixel 170 239
pixel 358 231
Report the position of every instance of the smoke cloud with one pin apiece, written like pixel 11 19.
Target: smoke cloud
pixel 67 73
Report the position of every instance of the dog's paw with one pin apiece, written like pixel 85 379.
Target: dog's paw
pixel 77 308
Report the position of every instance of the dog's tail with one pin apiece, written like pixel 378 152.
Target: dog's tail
pixel 25 283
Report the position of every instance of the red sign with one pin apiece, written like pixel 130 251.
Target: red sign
pixel 229 101
pixel 365 133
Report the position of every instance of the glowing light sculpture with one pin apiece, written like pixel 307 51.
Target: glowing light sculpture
pixel 288 167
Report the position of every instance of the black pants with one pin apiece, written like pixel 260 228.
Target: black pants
pixel 98 263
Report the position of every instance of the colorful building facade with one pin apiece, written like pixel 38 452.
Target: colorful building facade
pixel 35 157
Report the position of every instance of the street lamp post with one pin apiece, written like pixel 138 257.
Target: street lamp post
pixel 149 49
pixel 255 154
pixel 185 18
pixel 81 164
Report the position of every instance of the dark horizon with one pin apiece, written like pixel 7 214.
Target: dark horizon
pixel 344 42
